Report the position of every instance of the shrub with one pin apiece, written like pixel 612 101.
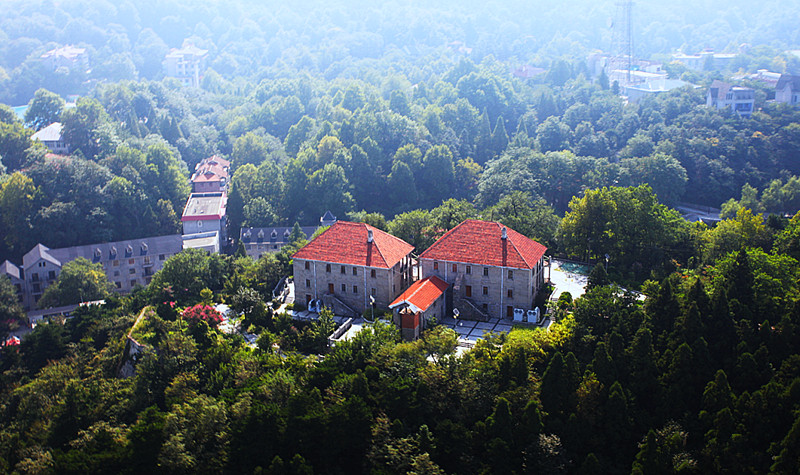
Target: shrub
pixel 204 313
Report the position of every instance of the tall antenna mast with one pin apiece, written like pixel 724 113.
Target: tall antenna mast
pixel 622 41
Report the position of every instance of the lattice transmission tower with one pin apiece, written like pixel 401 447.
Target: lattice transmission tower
pixel 621 43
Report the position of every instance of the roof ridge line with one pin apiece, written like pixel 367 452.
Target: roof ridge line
pixel 367 227
pixel 514 245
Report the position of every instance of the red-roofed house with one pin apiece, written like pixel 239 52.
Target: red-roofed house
pixel 426 298
pixel 211 175
pixel 493 269
pixel 348 263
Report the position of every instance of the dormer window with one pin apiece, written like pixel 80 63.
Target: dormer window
pixel 145 247
pixel 113 251
pixel 97 253
pixel 273 234
pixel 286 234
pixel 129 250
pixel 261 234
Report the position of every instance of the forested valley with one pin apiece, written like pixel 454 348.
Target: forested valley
pixel 682 356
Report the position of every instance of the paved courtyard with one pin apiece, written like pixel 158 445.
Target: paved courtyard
pixel 568 277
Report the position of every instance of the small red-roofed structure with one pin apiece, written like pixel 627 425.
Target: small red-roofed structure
pixel 426 298
pixel 348 263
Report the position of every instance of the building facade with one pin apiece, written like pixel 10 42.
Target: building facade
pixel 126 264
pixel 492 269
pixel 722 95
pixel 787 90
pixel 52 138
pixel 205 221
pixel 186 64
pixel 351 262
pixel 211 175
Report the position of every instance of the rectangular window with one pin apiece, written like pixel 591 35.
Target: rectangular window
pixel 308 266
pixel 455 267
pixel 327 267
pixel 469 269
pixel 510 293
pixel 373 292
pixel 116 273
pixel 133 282
pixel 355 271
pixel 468 290
pixel 161 257
pixel 34 277
pixel 118 284
pixel 355 289
pixel 342 269
pixel 435 265
pixel 486 272
pixel 308 283
pixel 51 275
pixel 372 273
pixel 485 290
pixel 344 288
pixel 116 262
pixel 146 260
pixel 37 287
pixel 511 275
pixel 131 270
pixel 131 261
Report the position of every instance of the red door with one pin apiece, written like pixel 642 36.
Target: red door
pixel 510 311
pixel 468 290
pixel 330 288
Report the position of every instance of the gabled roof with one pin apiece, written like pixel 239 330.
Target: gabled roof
pixel 421 294
pixel 10 269
pixel 481 243
pixel 51 133
pixel 347 243
pixel 788 80
pixel 39 251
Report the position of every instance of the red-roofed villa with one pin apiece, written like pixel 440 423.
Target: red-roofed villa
pixel 348 263
pixel 493 269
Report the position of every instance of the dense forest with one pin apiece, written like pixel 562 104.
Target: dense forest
pixel 683 355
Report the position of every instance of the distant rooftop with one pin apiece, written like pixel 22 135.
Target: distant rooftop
pixel 51 133
pixel 204 207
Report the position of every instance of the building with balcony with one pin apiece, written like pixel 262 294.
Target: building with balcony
pixel 126 264
pixel 186 64
pixel 722 95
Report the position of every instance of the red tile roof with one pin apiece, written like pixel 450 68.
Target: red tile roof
pixel 480 242
pixel 421 294
pixel 346 243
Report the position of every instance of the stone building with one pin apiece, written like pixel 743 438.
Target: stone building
pixel 349 263
pixel 126 264
pixel 492 269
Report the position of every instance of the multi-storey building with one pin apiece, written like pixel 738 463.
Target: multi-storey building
pixel 204 221
pixel 211 175
pixel 349 263
pixel 186 64
pixel 492 269
pixel 722 95
pixel 126 264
